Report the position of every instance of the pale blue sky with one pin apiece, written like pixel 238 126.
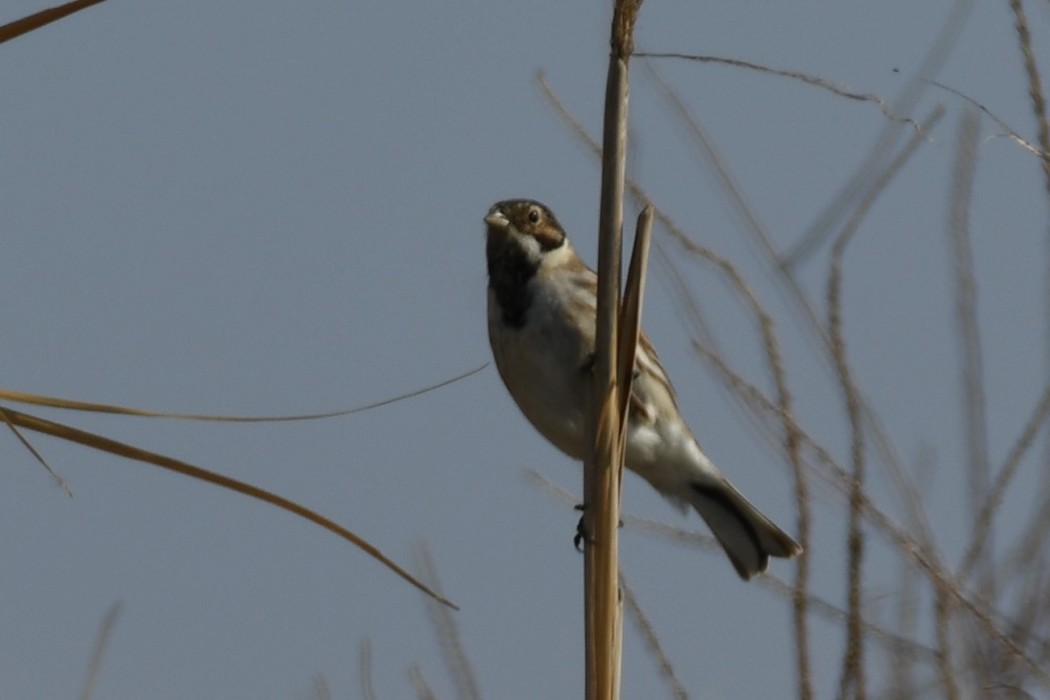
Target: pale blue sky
pixel 276 207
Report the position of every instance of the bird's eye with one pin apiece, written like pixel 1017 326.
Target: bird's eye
pixel 534 215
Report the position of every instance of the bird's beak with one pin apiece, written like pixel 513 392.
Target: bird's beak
pixel 496 218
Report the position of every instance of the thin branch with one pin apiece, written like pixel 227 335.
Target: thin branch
pixel 39 457
pixel 853 658
pixel 1007 130
pixel 652 643
pixel 449 638
pixel 365 668
pixel 972 371
pixel 105 633
pixel 92 407
pixel 814 80
pixel 815 605
pixel 423 689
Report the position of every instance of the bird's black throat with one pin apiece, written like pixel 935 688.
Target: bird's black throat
pixel 510 270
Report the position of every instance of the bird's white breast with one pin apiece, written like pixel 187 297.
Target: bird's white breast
pixel 543 363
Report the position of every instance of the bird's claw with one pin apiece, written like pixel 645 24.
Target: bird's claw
pixel 581 535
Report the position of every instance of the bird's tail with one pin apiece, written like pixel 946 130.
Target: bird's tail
pixel 748 537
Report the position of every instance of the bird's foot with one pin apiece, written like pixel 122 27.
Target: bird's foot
pixel 582 535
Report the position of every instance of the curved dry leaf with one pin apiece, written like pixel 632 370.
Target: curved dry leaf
pixel 75 405
pixel 121 449
pixel 35 21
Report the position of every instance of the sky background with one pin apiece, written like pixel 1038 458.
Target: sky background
pixel 272 208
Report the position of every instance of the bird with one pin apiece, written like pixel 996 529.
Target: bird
pixel 542 309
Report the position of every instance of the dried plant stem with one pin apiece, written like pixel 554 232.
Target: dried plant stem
pixel 423 689
pixel 972 379
pixel 449 639
pixel 652 643
pixel 121 449
pixel 853 659
pixel 604 464
pixel 1035 94
pixel 942 606
pixel 105 632
pixel 365 668
pixel 791 441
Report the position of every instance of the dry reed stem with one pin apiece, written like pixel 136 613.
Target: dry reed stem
pixel 450 640
pixel 98 652
pixel 853 658
pixel 604 464
pixel 652 643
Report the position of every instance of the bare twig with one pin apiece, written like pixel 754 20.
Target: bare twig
pixel 1029 433
pixel 855 187
pixel 92 407
pixel 972 372
pixel 853 658
pixel 423 690
pixel 814 80
pixel 1007 130
pixel 449 639
pixel 321 689
pixel 365 667
pixel 105 632
pixel 652 642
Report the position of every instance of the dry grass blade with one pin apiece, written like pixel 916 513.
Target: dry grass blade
pixel 39 457
pixel 44 17
pixel 423 689
pixel 104 444
pixel 652 642
pixel 1007 130
pixel 814 80
pixel 321 689
pixel 855 187
pixel 449 639
pixel 74 405
pixel 105 631
pixel 365 665
pixel 972 375
pixel 1028 435
pixel 853 660
pixel 631 307
pixel 693 540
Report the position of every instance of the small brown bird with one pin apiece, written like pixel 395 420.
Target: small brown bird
pixel 542 307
